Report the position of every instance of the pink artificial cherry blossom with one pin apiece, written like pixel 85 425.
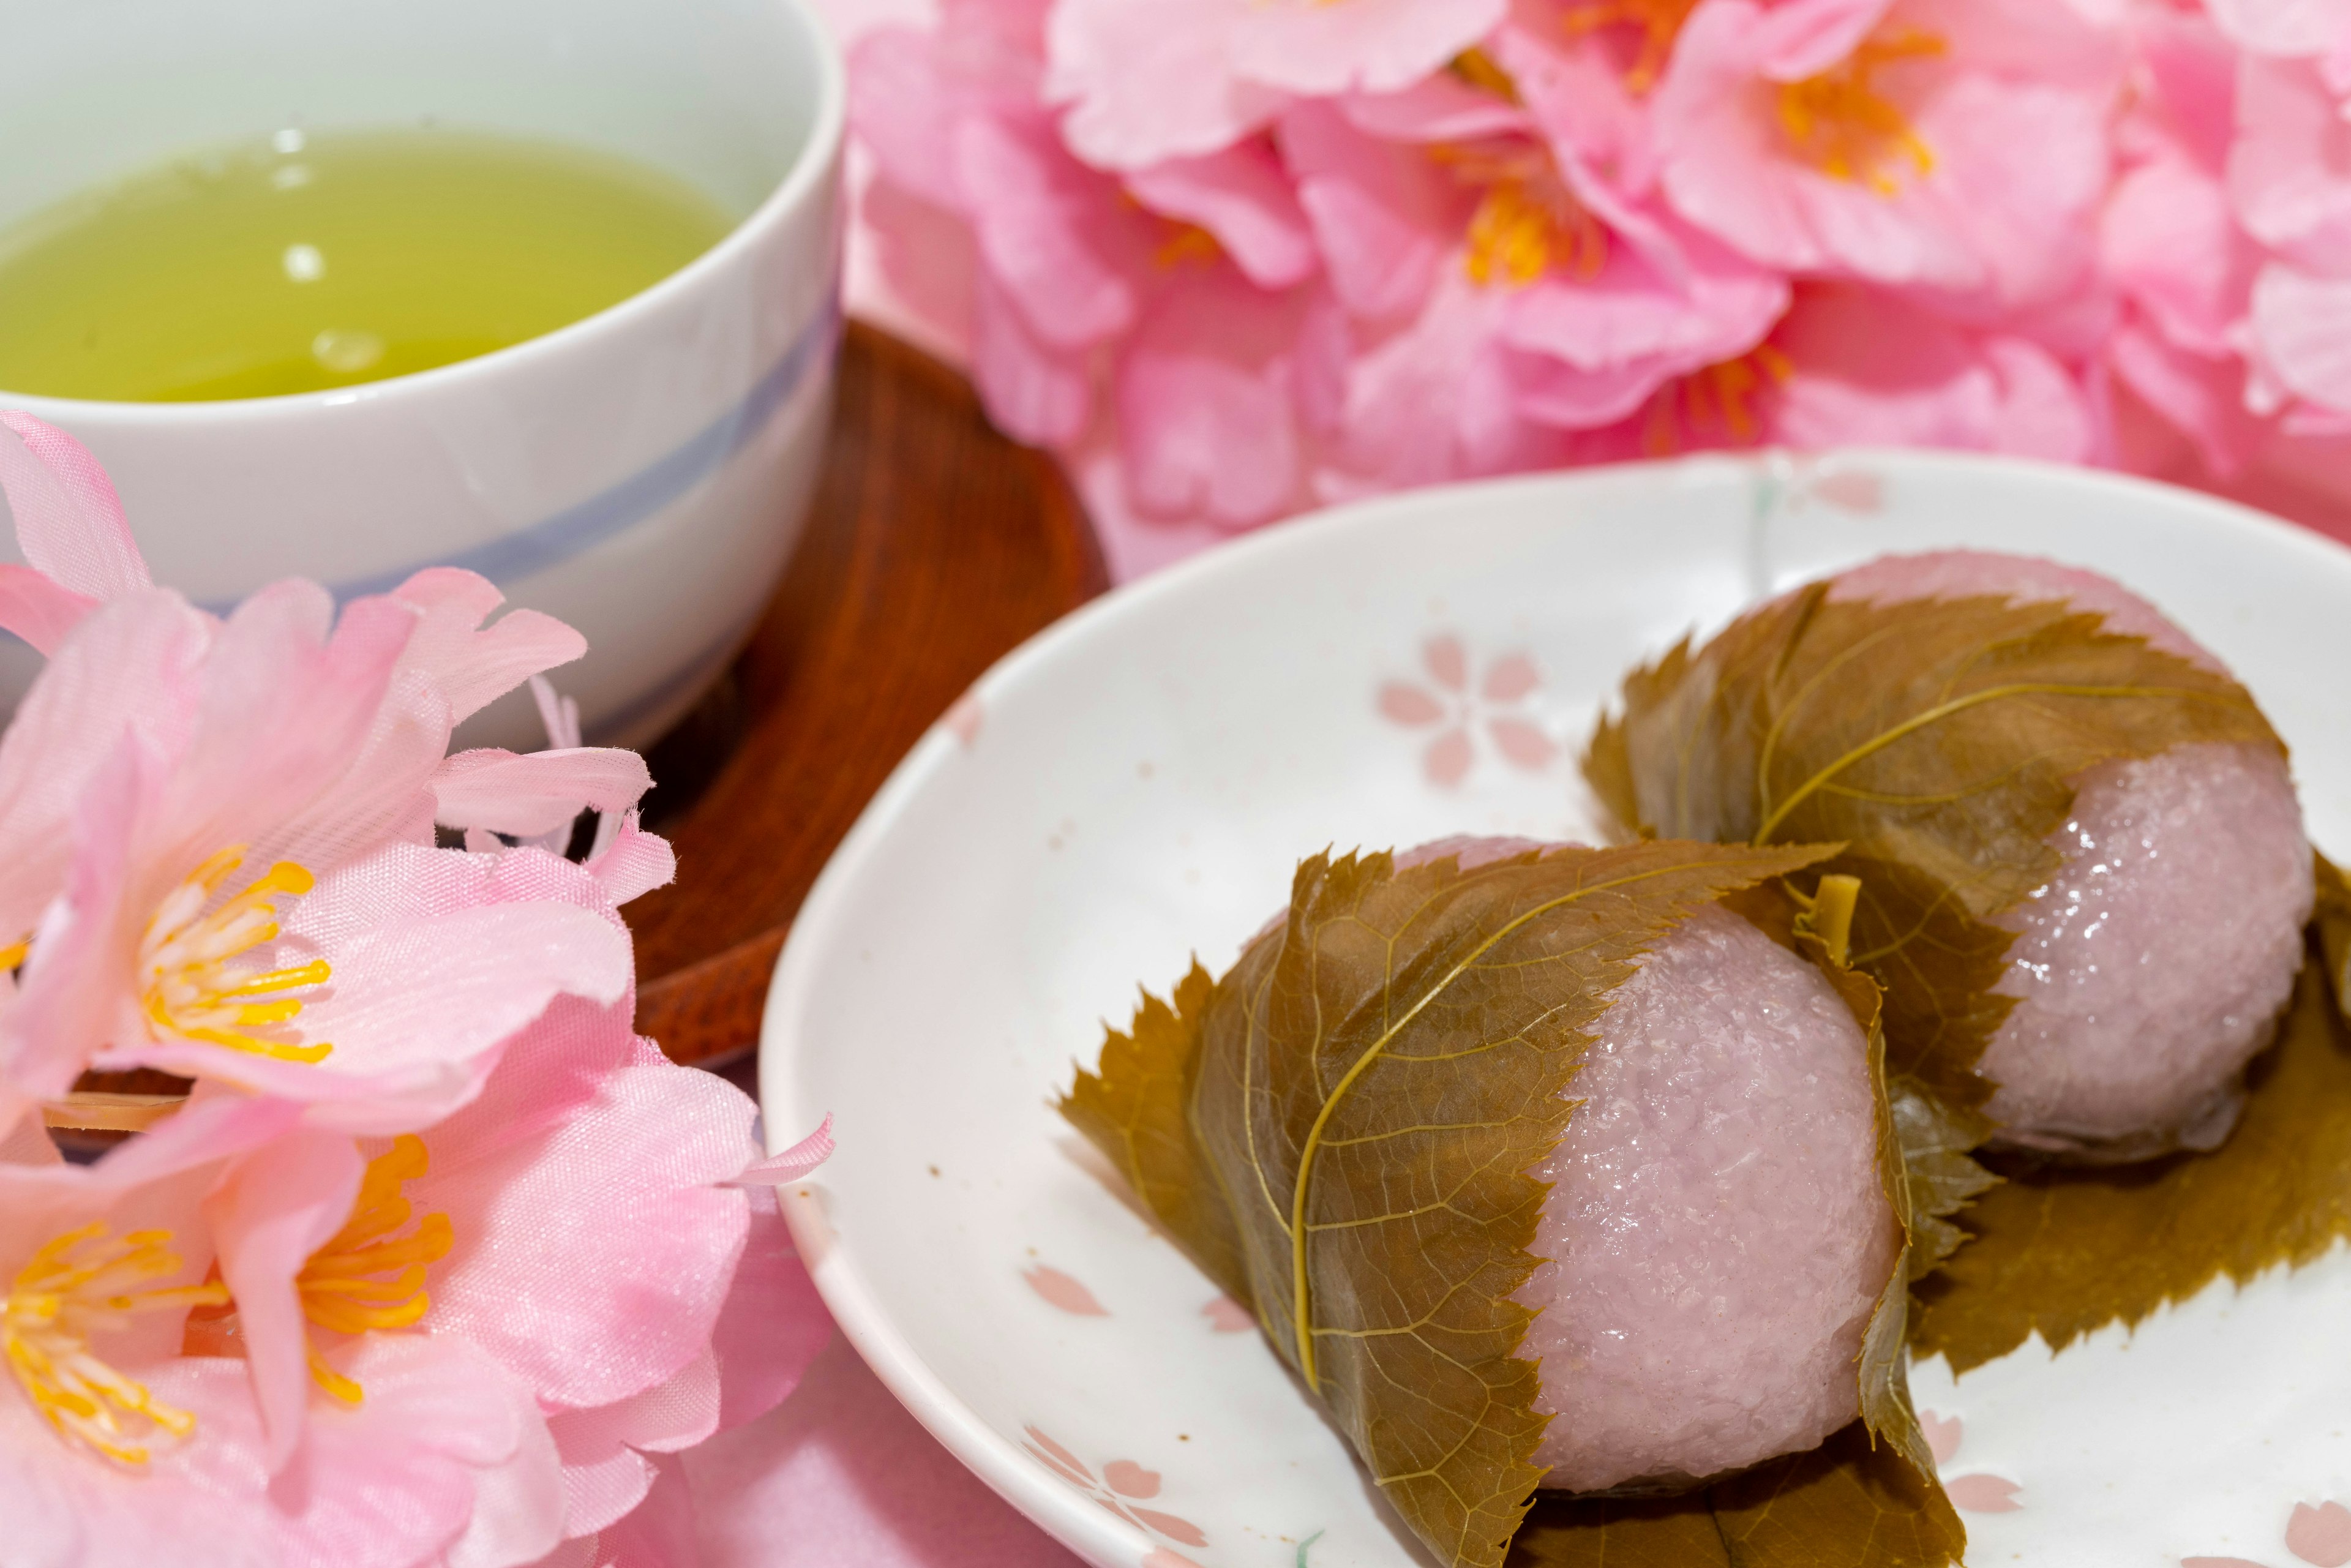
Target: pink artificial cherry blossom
pixel 1957 146
pixel 1182 288
pixel 1151 80
pixel 1502 290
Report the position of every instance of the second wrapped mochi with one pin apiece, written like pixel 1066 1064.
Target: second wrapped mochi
pixel 2153 964
pixel 2082 873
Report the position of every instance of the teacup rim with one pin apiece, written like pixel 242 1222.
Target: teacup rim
pixel 819 151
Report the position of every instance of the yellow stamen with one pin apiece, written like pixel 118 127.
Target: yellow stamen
pixel 1526 221
pixel 13 955
pixel 1184 243
pixel 1715 402
pixel 1842 125
pixel 339 1286
pixel 81 1283
pixel 1659 23
pixel 189 991
pixel 1480 69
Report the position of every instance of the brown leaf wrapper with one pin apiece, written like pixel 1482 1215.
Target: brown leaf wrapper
pixel 1340 1131
pixel 1937 740
pixel 1848 1503
pixel 2064 1251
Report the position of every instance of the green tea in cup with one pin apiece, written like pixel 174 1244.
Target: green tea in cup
pixel 309 261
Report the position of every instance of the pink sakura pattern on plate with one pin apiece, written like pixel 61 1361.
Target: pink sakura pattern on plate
pixel 2319 1535
pixel 1064 1291
pixel 1226 1315
pixel 1979 1492
pixel 1792 481
pixel 963 720
pixel 1456 709
pixel 1119 1492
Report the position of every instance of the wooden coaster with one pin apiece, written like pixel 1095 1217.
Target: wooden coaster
pixel 934 546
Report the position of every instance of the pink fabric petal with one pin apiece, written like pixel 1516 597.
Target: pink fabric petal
pixel 272 1210
pixel 446 1447
pixel 287 705
pixel 1574 89
pixel 1207 411
pixel 2284 26
pixel 910 90
pixel 133 662
pixel 634 864
pixel 1243 198
pixel 1052 232
pixel 2303 325
pixel 1796 40
pixel 1437 108
pixel 2168 240
pixel 37 610
pixel 69 522
pixel 419 1011
pixel 536 792
pixel 1365 46
pixel 1033 391
pixel 2202 398
pixel 1605 345
pixel 1868 369
pixel 779 1170
pixel 840 1473
pixel 658 1533
pixel 2288 174
pixel 471 663
pixel 581 1183
pixel 1147 81
pixel 772 1325
pixel 1386 216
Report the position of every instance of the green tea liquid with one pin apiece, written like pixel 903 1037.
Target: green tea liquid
pixel 306 262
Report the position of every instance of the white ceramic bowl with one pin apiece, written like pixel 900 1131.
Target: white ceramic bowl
pixel 641 474
pixel 1135 785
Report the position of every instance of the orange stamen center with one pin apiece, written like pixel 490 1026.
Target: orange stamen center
pixel 368 1277
pixel 1657 24
pixel 188 989
pixel 1717 402
pixel 1526 221
pixel 83 1283
pixel 1842 125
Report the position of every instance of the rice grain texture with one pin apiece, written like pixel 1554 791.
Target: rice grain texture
pixel 1717 1234
pixel 2153 965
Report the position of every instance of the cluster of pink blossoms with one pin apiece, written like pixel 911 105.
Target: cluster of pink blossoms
pixel 1246 256
pixel 434 1262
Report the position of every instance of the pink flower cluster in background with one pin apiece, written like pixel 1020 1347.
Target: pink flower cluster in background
pixel 419 1255
pixel 1235 258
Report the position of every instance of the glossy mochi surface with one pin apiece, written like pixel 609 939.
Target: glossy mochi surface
pixel 2152 967
pixel 1717 1233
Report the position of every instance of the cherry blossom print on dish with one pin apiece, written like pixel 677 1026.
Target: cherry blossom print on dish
pixel 1975 1494
pixel 1064 1291
pixel 1458 709
pixel 1120 1491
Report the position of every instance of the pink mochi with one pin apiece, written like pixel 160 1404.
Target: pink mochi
pixel 2153 965
pixel 1717 1232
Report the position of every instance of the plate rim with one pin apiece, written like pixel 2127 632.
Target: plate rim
pixel 847 1294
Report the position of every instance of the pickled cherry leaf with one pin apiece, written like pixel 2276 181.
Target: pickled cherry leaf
pixel 1368 1089
pixel 1848 1503
pixel 1936 739
pixel 1135 1110
pixel 2064 1251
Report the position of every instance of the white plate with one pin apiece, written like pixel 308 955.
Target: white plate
pixel 1135 785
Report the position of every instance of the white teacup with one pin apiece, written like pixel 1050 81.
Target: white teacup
pixel 641 474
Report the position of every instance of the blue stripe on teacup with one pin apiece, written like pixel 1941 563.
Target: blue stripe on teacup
pixel 510 558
